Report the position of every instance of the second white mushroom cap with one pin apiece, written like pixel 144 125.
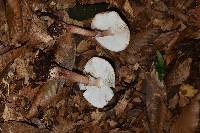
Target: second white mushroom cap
pixel 99 96
pixel 119 38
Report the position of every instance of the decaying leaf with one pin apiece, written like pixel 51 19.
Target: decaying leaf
pixel 188 120
pixel 20 127
pixel 65 53
pixel 157 113
pixel 121 106
pixel 10 114
pixel 20 66
pixel 10 56
pixel 173 102
pixel 168 40
pixel 84 46
pixel 96 116
pixel 139 48
pixel 38 33
pixel 33 39
pixel 183 100
pixel 92 128
pixel 48 94
pixel 180 73
pixel 125 74
pixel 14 19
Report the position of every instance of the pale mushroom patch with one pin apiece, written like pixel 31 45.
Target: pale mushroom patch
pixel 99 96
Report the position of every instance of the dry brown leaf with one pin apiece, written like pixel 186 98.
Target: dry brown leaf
pixel 195 16
pixel 20 127
pixel 39 33
pixel 178 100
pixel 10 114
pixel 169 58
pixel 48 94
pixel 140 47
pixel 92 128
pixel 167 40
pixel 125 74
pixel 179 15
pixel 160 6
pixel 65 53
pixel 180 4
pixel 112 123
pixel 183 100
pixel 91 1
pixel 20 66
pixel 187 121
pixel 10 56
pixel 180 73
pixel 121 106
pixel 84 46
pixel 173 102
pixel 157 112
pixel 169 24
pixel 63 4
pixel 29 92
pixel 96 116
pixel 14 19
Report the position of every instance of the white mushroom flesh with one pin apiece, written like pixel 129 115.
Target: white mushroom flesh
pixel 119 38
pixel 99 96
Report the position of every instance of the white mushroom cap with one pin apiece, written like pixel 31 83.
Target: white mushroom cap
pixel 99 96
pixel 112 22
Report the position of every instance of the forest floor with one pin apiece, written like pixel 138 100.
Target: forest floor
pixel 157 77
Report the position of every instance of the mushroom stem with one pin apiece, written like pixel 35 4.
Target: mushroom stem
pixel 85 32
pixel 73 77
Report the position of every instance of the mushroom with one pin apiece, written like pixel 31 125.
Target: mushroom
pixel 108 29
pixel 97 85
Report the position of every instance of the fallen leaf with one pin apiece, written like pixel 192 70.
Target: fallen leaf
pixel 125 74
pixel 157 112
pixel 65 52
pixel 167 40
pixel 20 66
pixel 183 100
pixel 188 90
pixel 188 120
pixel 10 114
pixel 173 102
pixel 121 106
pixel 48 94
pixel 20 127
pixel 10 56
pixel 84 46
pixel 180 73
pixel 96 116
pixel 14 19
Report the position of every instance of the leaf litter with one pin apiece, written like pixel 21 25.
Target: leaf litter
pixel 33 39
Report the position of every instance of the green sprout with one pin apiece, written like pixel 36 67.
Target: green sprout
pixel 160 65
